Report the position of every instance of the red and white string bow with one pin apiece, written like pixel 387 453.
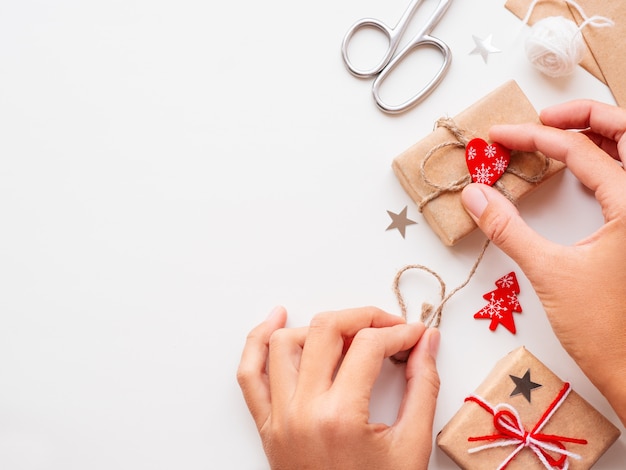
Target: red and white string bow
pixel 511 432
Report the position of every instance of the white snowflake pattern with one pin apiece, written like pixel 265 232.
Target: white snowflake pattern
pixel 482 174
pixel 490 151
pixel 494 308
pixel 471 153
pixel 506 281
pixel 500 165
pixel 513 301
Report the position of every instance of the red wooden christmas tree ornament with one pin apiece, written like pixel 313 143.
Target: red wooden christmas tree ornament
pixel 502 303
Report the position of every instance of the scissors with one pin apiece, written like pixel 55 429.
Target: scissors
pixel 389 62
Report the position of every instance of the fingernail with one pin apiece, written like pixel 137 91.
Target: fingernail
pixel 273 313
pixel 434 338
pixel 401 357
pixel 474 200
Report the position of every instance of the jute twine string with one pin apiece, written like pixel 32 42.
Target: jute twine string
pixel 461 141
pixel 431 315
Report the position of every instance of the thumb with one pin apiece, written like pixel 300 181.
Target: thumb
pixel 499 219
pixel 417 412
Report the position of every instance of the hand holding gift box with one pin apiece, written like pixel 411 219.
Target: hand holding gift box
pixel 434 170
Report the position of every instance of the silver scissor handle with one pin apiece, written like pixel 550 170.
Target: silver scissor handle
pixel 393 37
pixel 420 95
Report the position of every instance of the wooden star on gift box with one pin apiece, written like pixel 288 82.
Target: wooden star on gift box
pixel 523 385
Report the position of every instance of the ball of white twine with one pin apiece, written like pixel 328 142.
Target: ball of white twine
pixel 555 46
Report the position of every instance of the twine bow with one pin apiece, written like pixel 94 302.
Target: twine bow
pixel 511 431
pixel 461 141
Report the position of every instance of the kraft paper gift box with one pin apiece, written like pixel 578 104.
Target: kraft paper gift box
pixel 602 58
pixel 505 105
pixel 522 401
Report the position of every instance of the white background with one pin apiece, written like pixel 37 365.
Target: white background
pixel 171 170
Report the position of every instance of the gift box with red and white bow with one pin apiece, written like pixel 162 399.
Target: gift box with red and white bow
pixel 524 417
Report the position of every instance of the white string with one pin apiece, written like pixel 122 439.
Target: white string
pixel 556 407
pixel 555 45
pixel 530 441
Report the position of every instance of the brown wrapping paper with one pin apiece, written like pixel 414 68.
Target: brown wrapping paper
pixel 445 214
pixel 601 59
pixel 575 418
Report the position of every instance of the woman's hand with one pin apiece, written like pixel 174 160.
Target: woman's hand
pixel 582 287
pixel 308 390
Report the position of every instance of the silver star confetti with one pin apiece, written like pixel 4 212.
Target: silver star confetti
pixel 484 47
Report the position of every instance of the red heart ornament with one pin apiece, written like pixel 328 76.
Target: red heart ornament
pixel 486 162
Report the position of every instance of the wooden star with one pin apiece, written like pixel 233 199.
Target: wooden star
pixel 523 385
pixel 400 221
pixel 484 47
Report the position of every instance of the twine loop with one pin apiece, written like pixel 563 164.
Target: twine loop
pixel 460 141
pixel 431 315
